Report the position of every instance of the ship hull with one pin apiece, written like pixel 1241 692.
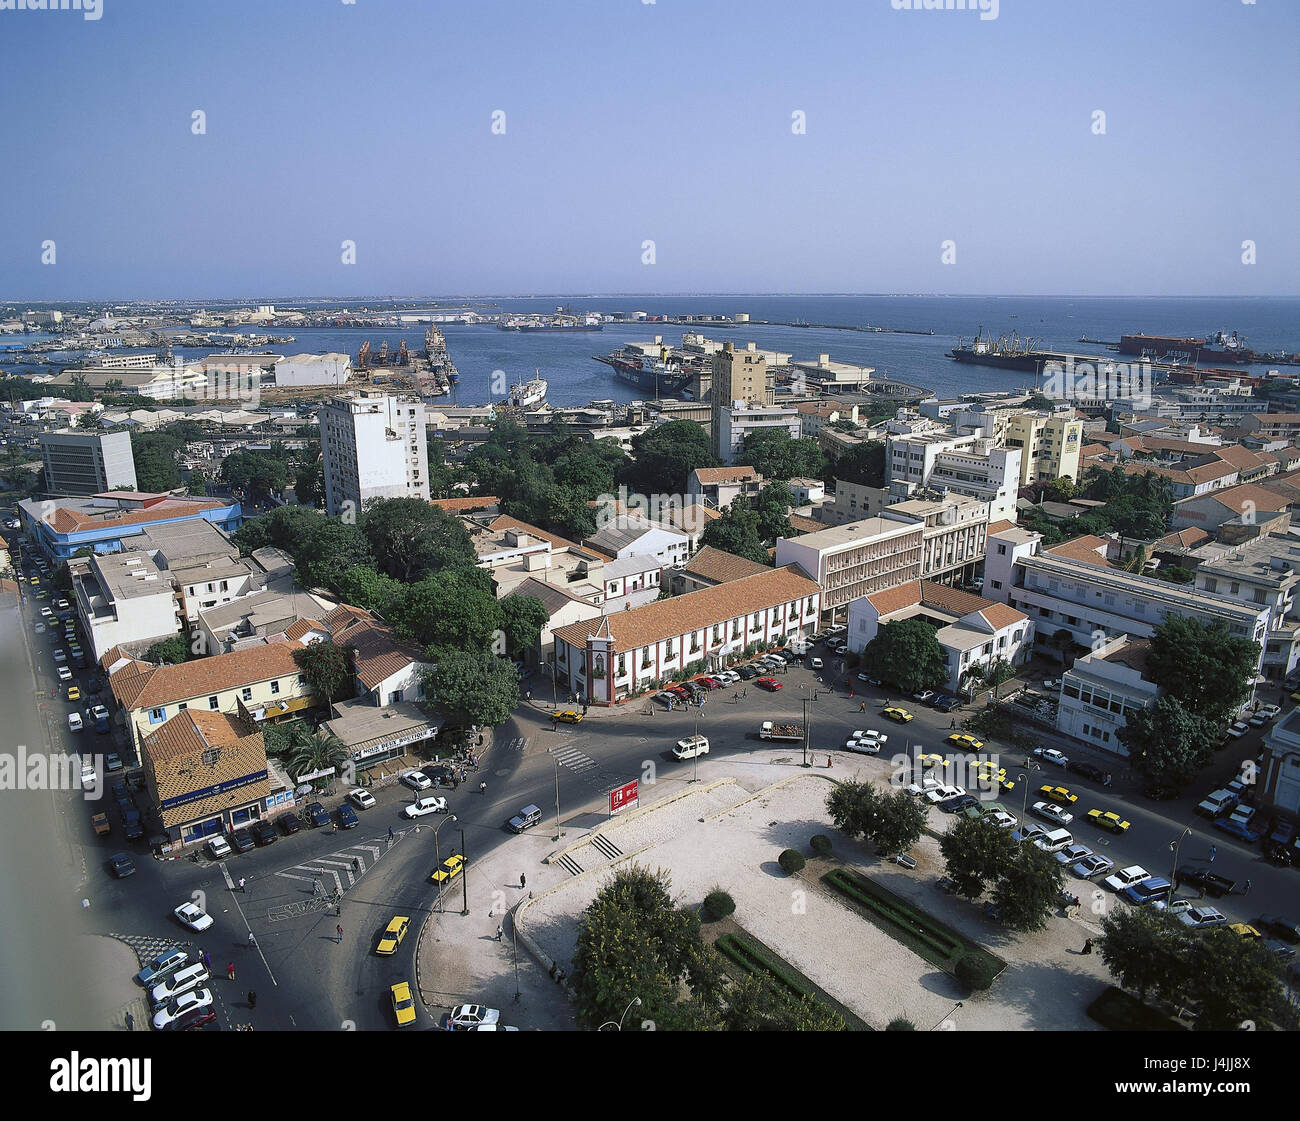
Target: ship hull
pixel 1029 363
pixel 1192 351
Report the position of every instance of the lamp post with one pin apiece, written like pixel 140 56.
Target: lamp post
pixel 464 876
pixel 1024 802
pixel 945 1019
pixel 555 761
pixel 437 850
pixel 695 759
pixel 636 1003
pixel 1176 847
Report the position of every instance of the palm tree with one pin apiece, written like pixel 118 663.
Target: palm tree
pixel 310 750
pixel 996 672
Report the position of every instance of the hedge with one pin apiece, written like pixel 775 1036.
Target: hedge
pixel 791 861
pixel 718 904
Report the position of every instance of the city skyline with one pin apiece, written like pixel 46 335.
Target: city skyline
pixel 518 150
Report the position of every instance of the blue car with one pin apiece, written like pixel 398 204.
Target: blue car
pixel 348 817
pixel 1148 891
pixel 167 962
pixel 1242 829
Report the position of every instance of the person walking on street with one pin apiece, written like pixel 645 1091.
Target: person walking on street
pixel 241 883
pixel 252 999
pixel 1214 851
pixel 230 971
pixel 1246 889
pixel 130 1022
pixel 952 723
pixel 1087 946
pixel 207 960
pixel 862 706
pixel 482 787
pixel 500 931
pixel 390 834
pixel 252 942
pixel 339 931
pixel 523 881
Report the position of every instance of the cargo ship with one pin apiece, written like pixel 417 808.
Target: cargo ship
pixel 650 374
pixel 1003 353
pixel 1221 347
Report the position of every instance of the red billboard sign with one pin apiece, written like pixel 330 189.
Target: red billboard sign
pixel 622 796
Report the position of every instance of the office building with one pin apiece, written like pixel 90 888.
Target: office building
pixel 373 446
pixel 80 463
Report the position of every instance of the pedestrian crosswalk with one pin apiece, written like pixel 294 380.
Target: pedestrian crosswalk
pixel 519 743
pixel 577 761
pixel 337 871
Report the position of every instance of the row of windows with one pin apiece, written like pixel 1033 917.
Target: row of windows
pixel 159 715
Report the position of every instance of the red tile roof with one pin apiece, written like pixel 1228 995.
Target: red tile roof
pixel 715 476
pixel 155 686
pixel 719 567
pixel 1001 615
pixel 895 599
pixel 465 505
pixel 1084 548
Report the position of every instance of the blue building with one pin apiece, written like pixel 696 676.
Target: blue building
pixel 105 523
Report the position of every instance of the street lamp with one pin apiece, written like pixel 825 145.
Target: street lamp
pixel 551 753
pixel 464 876
pixel 1024 802
pixel 695 759
pixel 945 1019
pixel 1176 847
pixel 636 1003
pixel 437 852
pixel 805 732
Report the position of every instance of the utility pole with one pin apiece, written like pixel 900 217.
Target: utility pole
pixel 464 876
pixel 556 763
pixel 805 731
pixel 695 759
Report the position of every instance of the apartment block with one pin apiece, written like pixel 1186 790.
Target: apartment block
pixel 82 463
pixel 373 446
pixel 123 598
pixel 1049 446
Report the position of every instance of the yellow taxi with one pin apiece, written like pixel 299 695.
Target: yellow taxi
pixel 403 1004
pixel 930 760
pixel 1245 930
pixel 899 714
pixel 448 870
pixel 34 581
pixel 966 740
pixel 74 693
pixel 569 716
pixel 392 937
pixel 1106 819
pixel 1058 794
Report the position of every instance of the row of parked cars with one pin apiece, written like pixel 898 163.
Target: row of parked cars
pixel 179 994
pixel 759 671
pixel 1230 814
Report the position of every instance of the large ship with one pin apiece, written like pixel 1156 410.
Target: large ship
pixel 435 350
pixel 648 373
pixel 1005 353
pixel 526 394
pixel 1221 347
pixel 564 319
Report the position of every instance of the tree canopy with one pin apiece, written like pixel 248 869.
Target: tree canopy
pixel 1206 668
pixel 475 686
pixel 1168 744
pixel 664 457
pixel 892 822
pixel 907 653
pixel 776 455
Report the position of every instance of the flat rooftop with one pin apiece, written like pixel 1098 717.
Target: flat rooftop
pixel 853 533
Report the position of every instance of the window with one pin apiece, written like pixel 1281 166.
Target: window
pixel 275 689
pixel 247 693
pixel 182 706
pixel 302 679
pixel 212 703
pixel 157 715
pixel 997 584
pixel 1002 549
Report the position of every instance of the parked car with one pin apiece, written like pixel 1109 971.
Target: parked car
pixel 815 663
pixel 190 914
pixel 241 840
pixel 217 848
pixel 1126 878
pixel 465 1016
pixel 289 823
pixel 75 723
pixel 348 817
pixel 747 672
pixel 264 833
pixel 1285 929
pixel 1238 729
pixel 1202 917
pixel 1050 811
pixel 1092 866
pixel 769 683
pixel 1088 771
pixel 169 1015
pixel 182 981
pixel 959 803
pixel 1147 891
pixel 316 815
pixel 160 966
pixel 122 865
pixel 416 780
pixel 923 695
pixel 1051 755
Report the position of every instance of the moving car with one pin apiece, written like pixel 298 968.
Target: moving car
pixel 1209 882
pixel 74 693
pixel 1058 794
pixel 901 715
pixel 1088 771
pixel 393 934
pixel 429 804
pixel 966 740
pixel 167 1016
pixel 416 780
pixel 403 1003
pixel 1051 755
pixel 448 870
pixel 264 833
pixel 122 865
pixel 218 848
pixel 769 683
pixel 815 663
pixel 465 1016
pixel 1109 820
pixel 166 962
pixel 193 916
pixel 868 742
pixel 1052 812
pixel 569 716
pixel 691 747
pixel 525 819
pixel 1126 878
pixel 348 817
pixel 362 799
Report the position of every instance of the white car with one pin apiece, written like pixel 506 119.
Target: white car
pixel 1001 819
pixel 815 663
pixel 1268 711
pixel 1052 683
pixel 691 747
pixel 193 916
pixel 1051 755
pixel 926 785
pixel 88 776
pixel 39 628
pixel 1092 866
pixel 417 780
pixel 182 981
pixel 466 1016
pixel 75 723
pixel 923 695
pixel 866 743
pixel 426 806
pixel 1050 811
pixel 218 847
pixel 1239 729
pixel 1202 916
pixel 64 674
pixel 1126 878
pixel 362 799
pixel 942 793
pixel 186 1002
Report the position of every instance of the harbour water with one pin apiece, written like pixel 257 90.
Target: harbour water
pixel 565 359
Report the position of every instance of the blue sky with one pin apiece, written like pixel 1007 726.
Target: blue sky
pixel 671 122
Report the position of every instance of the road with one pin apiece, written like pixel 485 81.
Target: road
pixel 305 978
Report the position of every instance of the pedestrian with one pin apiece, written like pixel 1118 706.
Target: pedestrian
pixel 850 691
pixel 523 882
pixel 1246 889
pixel 1106 780
pixel 828 761
pixel 316 888
pixel 252 942
pixel 390 834
pixel 1087 946
pixel 500 931
pixel 230 971
pixel 334 826
pixel 554 724
pixel 207 960
pixel 241 883
pixel 130 1022
pixel 356 864
pixel 528 694
pixel 482 787
pixel 252 999
pixel 862 706
pixel 952 723
pixel 1214 851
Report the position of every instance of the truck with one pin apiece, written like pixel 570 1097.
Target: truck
pixel 771 731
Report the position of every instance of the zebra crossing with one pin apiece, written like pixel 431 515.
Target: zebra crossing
pixel 577 761
pixel 338 871
pixel 593 775
pixel 518 744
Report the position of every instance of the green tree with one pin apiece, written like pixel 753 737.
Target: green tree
pixel 663 457
pixel 1027 888
pixel 758 1002
pixel 156 461
pixel 256 472
pixel 411 539
pixel 89 419
pixel 1146 950
pixel 1207 668
pixel 309 484
pixel 309 750
pixel 286 527
pixel 772 507
pixel 975 852
pixel 775 455
pixel 1168 744
pixel 363 586
pixel 1235 979
pixel 892 822
pixel 328 669
pixel 328 550
pixel 197 483
pixel 907 653
pixel 737 532
pixel 634 944
pixel 474 686
pixel 863 464
pixel 169 652
pixel 455 609
pixel 523 618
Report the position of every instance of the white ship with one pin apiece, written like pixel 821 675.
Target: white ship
pixel 526 394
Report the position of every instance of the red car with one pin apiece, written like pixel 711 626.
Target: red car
pixel 769 683
pixel 680 691
pixel 708 682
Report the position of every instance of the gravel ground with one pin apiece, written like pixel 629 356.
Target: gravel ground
pixel 727 835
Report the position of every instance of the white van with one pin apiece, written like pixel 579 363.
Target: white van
pixel 427 805
pixel 1055 840
pixel 690 747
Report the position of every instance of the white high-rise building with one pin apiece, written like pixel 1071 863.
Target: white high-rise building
pixel 373 446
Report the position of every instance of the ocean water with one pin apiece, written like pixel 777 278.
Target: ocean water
pixel 567 362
